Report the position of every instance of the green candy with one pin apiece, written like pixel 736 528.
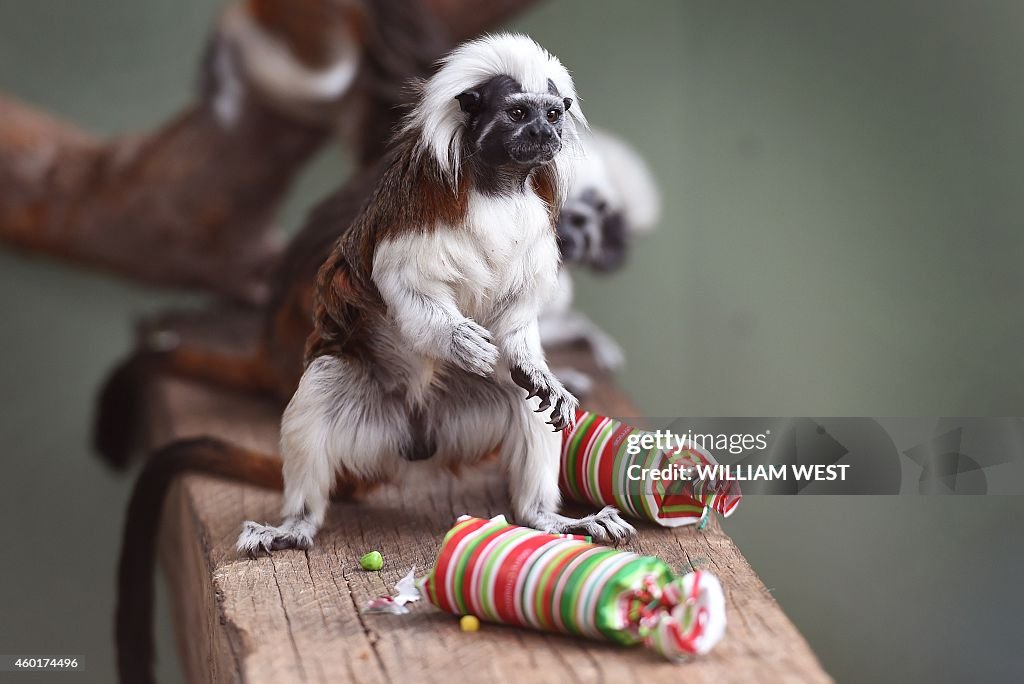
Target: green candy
pixel 372 561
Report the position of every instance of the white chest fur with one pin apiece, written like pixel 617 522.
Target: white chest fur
pixel 503 254
pixel 506 251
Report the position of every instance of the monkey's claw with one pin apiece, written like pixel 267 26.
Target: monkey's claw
pixel 563 416
pixel 605 526
pixel 255 537
pixel 551 392
pixel 471 348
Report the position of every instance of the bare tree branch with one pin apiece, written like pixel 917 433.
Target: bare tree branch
pixel 190 204
pixel 467 18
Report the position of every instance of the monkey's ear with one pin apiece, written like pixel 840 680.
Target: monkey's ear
pixel 469 101
pixel 567 102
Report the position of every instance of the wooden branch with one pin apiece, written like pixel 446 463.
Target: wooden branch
pixel 189 205
pixel 465 19
pixel 192 203
pixel 294 616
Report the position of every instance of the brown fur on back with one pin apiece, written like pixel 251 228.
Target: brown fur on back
pixel 412 195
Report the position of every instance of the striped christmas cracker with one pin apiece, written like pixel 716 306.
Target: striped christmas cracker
pixel 595 469
pixel 558 583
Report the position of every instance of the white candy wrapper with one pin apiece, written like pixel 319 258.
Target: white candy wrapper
pixel 396 605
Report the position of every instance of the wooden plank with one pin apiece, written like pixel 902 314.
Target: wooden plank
pixel 295 616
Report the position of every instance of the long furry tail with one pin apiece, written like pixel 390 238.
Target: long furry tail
pixel 117 426
pixel 136 571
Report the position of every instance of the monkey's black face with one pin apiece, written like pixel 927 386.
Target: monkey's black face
pixel 592 234
pixel 507 127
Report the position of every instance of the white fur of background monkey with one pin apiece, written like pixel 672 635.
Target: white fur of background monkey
pixel 427 310
pixel 249 54
pixel 617 172
pixel 612 185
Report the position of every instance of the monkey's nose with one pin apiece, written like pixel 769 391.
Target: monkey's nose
pixel 541 132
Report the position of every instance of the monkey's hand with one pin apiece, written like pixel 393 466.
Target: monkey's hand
pixel 552 395
pixel 471 348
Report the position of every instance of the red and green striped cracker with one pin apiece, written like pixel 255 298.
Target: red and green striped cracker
pixel 560 583
pixel 596 464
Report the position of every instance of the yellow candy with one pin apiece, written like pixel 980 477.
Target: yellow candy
pixel 469 623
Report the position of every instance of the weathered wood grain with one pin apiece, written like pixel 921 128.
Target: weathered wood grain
pixel 295 616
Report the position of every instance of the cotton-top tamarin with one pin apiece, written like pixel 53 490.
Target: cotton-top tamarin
pixel 426 312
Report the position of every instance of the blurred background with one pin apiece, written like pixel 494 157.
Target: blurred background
pixel 842 235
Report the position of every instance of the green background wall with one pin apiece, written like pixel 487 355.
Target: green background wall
pixel 842 236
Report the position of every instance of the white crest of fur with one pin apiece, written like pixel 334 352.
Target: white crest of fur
pixel 270 65
pixel 440 121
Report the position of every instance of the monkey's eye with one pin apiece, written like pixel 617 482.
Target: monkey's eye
pixel 554 115
pixel 517 113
